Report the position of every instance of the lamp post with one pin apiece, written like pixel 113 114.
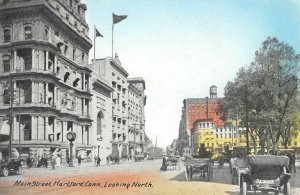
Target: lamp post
pixel 71 136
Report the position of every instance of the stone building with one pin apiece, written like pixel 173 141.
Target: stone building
pixel 116 76
pixel 101 111
pixel 136 116
pixel 44 79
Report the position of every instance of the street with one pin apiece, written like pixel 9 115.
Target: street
pixel 128 178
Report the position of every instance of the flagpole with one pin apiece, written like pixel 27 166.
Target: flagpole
pixel 94 42
pixel 112 41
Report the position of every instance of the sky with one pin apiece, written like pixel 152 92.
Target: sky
pixel 182 47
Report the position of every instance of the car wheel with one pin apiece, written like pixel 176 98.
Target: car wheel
pixel 20 171
pixel 5 172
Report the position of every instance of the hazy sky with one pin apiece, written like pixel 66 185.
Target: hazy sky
pixel 182 47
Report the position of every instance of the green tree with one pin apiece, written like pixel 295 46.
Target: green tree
pixel 272 88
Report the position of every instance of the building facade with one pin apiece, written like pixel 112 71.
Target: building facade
pixel 101 111
pixel 136 116
pixel 198 109
pixel 44 79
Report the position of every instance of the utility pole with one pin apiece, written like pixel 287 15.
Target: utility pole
pixel 247 126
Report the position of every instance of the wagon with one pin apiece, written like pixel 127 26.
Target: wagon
pixel 266 174
pixel 202 167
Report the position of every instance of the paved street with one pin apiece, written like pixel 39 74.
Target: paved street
pixel 120 179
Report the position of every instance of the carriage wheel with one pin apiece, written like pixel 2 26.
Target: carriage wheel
pixel 243 190
pixel 287 188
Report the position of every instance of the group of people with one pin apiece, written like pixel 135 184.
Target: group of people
pixel 42 161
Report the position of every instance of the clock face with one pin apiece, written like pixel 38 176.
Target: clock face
pixel 69 136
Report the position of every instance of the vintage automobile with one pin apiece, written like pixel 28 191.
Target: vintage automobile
pixel 266 174
pixel 11 165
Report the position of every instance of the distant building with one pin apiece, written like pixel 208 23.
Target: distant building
pixel 136 115
pixel 198 109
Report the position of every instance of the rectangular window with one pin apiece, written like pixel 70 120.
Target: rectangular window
pixel 6 63
pixel 6 66
pixel 7 36
pixel 27 32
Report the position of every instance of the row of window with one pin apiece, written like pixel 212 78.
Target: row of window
pixel 27 32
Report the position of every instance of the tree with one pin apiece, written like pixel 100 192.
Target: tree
pixel 272 88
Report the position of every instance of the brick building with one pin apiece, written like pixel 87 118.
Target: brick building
pixel 198 109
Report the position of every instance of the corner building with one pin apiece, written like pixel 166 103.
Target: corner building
pixel 44 79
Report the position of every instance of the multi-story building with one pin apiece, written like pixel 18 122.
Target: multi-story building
pixel 44 78
pixel 198 109
pixel 101 111
pixel 136 115
pixel 116 76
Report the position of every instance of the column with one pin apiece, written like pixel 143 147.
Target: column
pixel 46 92
pixel 87 107
pixel 82 134
pixel 83 80
pixel 55 64
pixel 15 60
pixel 15 132
pixel 47 57
pixel 33 127
pixel 33 92
pixel 32 61
pixel 82 106
pixel 54 95
pixel 54 130
pixel 46 127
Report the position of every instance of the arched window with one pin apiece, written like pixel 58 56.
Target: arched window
pixel 99 122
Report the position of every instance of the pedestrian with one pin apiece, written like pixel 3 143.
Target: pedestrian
pixel 98 161
pixel 292 164
pixel 53 162
pixel 58 159
pixel 79 160
pixel 107 160
pixel 164 164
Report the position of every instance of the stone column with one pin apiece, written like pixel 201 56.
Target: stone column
pixel 46 92
pixel 33 127
pixel 46 127
pixel 83 78
pixel 54 129
pixel 55 64
pixel 47 58
pixel 33 59
pixel 15 60
pixel 54 95
pixel 15 133
pixel 33 92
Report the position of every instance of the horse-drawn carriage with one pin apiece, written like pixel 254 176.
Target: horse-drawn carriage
pixel 265 174
pixel 202 166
